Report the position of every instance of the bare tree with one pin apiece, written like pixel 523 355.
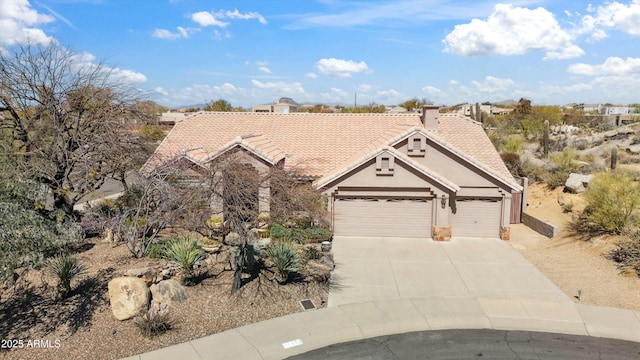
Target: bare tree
pixel 68 118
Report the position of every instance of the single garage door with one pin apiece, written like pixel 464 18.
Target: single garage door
pixel 476 218
pixel 383 217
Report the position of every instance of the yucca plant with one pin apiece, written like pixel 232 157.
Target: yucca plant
pixel 185 253
pixel 286 259
pixel 65 268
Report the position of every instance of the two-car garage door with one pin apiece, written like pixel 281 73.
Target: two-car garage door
pixel 379 217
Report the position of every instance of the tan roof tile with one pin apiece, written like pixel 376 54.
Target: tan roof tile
pixel 320 144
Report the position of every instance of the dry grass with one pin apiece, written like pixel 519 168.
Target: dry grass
pixel 86 329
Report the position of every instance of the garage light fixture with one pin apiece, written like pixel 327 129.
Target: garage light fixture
pixel 443 201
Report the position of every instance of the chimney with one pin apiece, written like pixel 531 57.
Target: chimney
pixel 429 117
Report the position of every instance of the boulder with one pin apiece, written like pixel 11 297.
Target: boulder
pixel 148 274
pixel 610 134
pixel 577 182
pixel 317 271
pixel 327 260
pixel 128 296
pixel 633 149
pixel 168 292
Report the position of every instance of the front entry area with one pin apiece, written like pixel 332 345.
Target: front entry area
pixel 383 217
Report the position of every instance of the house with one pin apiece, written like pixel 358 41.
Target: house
pixel 427 175
pixel 283 105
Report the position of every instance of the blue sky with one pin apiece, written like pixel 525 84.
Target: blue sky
pixel 251 52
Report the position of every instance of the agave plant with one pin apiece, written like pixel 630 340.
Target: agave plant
pixel 185 253
pixel 285 257
pixel 65 268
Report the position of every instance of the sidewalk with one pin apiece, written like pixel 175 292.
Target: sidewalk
pixel 301 332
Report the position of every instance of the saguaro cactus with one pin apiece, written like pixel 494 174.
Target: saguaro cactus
pixel 614 158
pixel 478 112
pixel 545 139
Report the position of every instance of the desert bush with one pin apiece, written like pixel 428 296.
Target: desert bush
pixel 627 252
pixel 311 252
pixel 513 145
pixel 279 231
pixel 611 200
pixel 285 257
pixel 91 225
pixel 513 163
pixel 66 268
pixel 153 322
pixel 151 132
pixel 185 253
pixel 318 233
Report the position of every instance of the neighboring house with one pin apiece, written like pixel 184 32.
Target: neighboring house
pixel 424 175
pixel 493 110
pixel 283 105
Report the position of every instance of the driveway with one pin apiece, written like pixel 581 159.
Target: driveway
pixel 373 269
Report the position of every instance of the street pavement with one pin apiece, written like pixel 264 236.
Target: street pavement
pixel 385 286
pixel 474 344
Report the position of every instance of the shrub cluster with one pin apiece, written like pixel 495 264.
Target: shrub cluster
pixel 300 235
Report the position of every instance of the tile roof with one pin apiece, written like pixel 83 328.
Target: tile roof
pixel 320 144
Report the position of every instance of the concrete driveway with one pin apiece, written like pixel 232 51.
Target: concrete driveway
pixel 374 269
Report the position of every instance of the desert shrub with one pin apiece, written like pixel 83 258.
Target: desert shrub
pixel 611 199
pixel 564 161
pixel 91 225
pixel 66 268
pixel 311 253
pixel 158 249
pixel 513 163
pixel 513 145
pixel 285 257
pixel 185 253
pixel 567 207
pixel 318 233
pixel 153 322
pixel 279 231
pixel 534 173
pixel 627 252
pixel 151 132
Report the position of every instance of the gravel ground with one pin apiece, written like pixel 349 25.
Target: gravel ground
pixel 572 263
pixel 84 327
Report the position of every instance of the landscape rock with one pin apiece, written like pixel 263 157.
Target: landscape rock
pixel 317 271
pixel 633 149
pixel 577 182
pixel 168 292
pixel 327 260
pixel 148 274
pixel 611 134
pixel 128 296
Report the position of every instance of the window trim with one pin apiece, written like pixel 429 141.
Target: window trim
pixel 380 160
pixel 422 148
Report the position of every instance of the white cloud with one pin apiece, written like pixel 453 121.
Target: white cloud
pixel 205 18
pixel 219 35
pixel 364 88
pixel 168 35
pixel 493 84
pixel 613 66
pixel 265 69
pixel 235 14
pixel 294 88
pixel 311 75
pixel 340 68
pixel 161 90
pixel 577 87
pixel 619 16
pixel 85 60
pixel 433 91
pixel 20 23
pixel 511 31
pixel 569 52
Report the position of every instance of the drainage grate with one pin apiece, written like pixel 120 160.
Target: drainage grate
pixel 307 304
